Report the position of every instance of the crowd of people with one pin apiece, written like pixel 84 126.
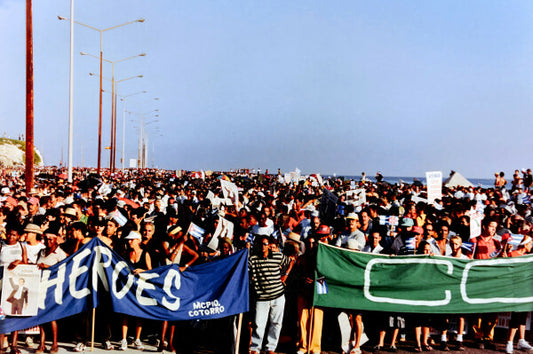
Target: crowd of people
pixel 280 221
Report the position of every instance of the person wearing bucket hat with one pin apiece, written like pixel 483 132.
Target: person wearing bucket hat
pixel 33 246
pixel 69 215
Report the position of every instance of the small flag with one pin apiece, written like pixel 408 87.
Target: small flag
pixel 495 254
pixel 118 217
pixel 410 243
pixel 196 231
pixel 468 246
pixel 2 314
pixel 105 189
pixel 321 286
pixel 515 239
pixel 388 220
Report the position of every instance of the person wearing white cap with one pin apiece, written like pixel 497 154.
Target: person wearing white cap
pixel 353 239
pixel 353 233
pixel 140 261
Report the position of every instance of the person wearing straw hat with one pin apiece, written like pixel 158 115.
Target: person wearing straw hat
pixel 69 215
pixel 47 257
pixel 33 246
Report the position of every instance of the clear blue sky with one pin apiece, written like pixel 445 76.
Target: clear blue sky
pixel 326 86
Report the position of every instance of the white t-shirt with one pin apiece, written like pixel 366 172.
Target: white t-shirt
pixel 33 251
pixel 10 253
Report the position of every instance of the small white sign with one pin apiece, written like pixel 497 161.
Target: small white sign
pixel 434 185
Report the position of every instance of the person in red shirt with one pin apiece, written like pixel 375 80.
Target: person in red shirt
pixel 486 247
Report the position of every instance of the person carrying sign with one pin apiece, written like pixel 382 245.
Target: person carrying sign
pixel 12 253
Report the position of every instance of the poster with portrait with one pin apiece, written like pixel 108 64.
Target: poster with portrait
pixel 20 290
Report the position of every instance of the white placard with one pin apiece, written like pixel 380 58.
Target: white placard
pixel 20 290
pixel 434 185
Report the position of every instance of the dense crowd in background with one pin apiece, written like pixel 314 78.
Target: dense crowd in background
pixel 280 221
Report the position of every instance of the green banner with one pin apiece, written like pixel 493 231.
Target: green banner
pixel 422 284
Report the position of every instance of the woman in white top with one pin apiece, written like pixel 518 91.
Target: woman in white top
pixel 12 253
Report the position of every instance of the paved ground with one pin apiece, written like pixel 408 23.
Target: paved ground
pixel 403 347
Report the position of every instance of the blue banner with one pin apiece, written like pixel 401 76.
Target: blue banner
pixel 207 291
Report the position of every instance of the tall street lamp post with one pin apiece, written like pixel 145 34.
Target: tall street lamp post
pixel 101 31
pixel 123 99
pixel 113 104
pixel 111 156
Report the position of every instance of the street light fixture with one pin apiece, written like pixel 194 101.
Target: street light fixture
pixel 112 155
pixel 113 104
pixel 101 31
pixel 123 99
pixel 142 140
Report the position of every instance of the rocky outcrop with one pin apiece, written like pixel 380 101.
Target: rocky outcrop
pixel 13 153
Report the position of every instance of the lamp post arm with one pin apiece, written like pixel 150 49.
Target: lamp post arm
pixel 124 24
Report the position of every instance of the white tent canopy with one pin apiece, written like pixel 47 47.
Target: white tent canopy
pixel 457 180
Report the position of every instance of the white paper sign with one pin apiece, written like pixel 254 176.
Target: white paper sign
pixel 476 216
pixel 434 185
pixel 356 196
pixel 224 229
pixel 230 191
pixel 20 290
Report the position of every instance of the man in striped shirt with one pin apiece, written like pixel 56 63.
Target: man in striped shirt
pixel 265 272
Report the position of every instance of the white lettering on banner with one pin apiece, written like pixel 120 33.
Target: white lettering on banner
pixel 206 308
pixel 116 272
pixel 142 284
pixel 492 262
pixel 46 283
pixel 368 271
pixel 125 279
pixel 76 272
pixel 173 276
pixel 98 267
